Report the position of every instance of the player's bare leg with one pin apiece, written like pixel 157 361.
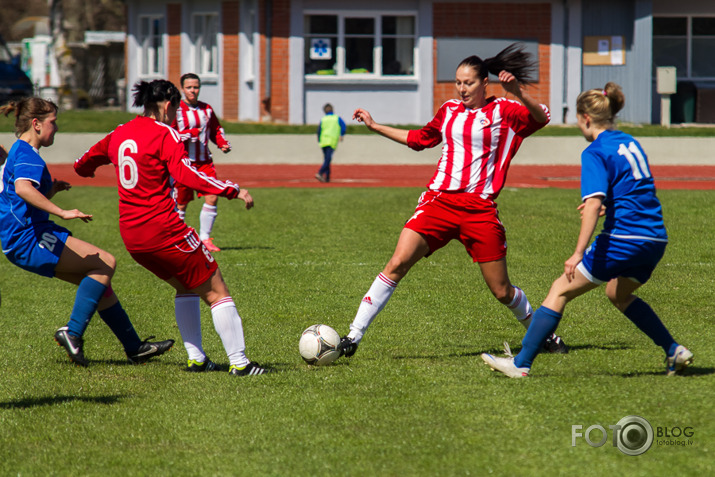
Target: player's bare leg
pixel 91 269
pixel 411 247
pixel 496 276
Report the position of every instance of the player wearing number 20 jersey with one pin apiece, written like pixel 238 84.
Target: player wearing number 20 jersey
pixel 147 154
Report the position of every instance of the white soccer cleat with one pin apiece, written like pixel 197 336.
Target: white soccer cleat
pixel 505 365
pixel 681 359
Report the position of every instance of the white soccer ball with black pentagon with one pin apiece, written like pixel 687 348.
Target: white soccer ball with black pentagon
pixel 319 345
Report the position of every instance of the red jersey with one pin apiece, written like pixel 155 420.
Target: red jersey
pixel 197 125
pixel 478 144
pixel 146 154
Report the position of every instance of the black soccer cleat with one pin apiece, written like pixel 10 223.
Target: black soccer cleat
pixel 72 344
pixel 347 347
pixel 194 366
pixel 555 345
pixel 149 349
pixel 251 369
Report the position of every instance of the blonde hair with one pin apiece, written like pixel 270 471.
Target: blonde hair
pixel 601 105
pixel 26 110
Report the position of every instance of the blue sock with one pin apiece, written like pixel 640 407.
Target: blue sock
pixel 89 293
pixel 543 324
pixel 643 316
pixel 116 318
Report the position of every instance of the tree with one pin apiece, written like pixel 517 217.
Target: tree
pixel 63 54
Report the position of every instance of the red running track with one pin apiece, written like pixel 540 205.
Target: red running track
pixel 291 175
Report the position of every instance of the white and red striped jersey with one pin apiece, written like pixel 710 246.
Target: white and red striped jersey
pixel 146 154
pixel 197 125
pixel 478 144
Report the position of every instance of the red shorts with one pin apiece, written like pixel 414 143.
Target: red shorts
pixel 188 261
pixel 184 194
pixel 443 216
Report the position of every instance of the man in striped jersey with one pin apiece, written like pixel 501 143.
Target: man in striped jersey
pixel 197 124
pixel 479 137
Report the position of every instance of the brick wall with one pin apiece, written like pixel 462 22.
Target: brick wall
pixel 279 61
pixel 173 29
pixel 493 20
pixel 229 68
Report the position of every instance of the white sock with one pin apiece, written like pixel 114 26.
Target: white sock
pixel 182 214
pixel 188 317
pixel 230 328
pixel 207 219
pixel 521 307
pixel 372 303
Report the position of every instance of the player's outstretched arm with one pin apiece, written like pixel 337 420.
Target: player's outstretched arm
pixel 398 135
pixel 27 192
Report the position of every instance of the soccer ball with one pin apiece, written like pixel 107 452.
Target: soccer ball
pixel 319 345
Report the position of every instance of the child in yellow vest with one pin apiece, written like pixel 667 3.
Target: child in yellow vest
pixel 330 131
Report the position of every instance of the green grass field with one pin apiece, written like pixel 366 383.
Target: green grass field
pixel 415 400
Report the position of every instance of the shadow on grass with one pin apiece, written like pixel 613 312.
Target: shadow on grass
pixel 690 371
pixel 54 400
pixel 248 247
pixel 500 351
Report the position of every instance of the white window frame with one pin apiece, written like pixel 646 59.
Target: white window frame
pixel 339 50
pixel 689 36
pixel 149 54
pixel 205 61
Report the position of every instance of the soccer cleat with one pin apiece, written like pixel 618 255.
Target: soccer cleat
pixel 505 365
pixel 555 345
pixel 681 359
pixel 251 369
pixel 195 366
pixel 149 349
pixel 347 347
pixel 209 244
pixel 73 345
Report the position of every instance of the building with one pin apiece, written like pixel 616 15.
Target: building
pixel 281 60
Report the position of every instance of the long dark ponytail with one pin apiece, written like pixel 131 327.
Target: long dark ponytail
pixel 514 59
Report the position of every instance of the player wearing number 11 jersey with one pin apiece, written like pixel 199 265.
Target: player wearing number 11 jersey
pixel 614 174
pixel 147 153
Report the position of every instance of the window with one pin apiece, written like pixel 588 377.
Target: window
pixel 151 45
pixel 376 45
pixel 204 36
pixel 686 43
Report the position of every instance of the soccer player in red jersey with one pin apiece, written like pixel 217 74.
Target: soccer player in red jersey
pixel 480 136
pixel 197 124
pixel 147 153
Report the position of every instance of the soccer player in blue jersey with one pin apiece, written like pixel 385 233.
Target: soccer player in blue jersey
pixel 616 182
pixel 36 244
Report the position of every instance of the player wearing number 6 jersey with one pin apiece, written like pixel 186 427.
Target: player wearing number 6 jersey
pixel 615 175
pixel 480 137
pixel 36 244
pixel 147 153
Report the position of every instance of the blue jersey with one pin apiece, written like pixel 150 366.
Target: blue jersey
pixel 16 215
pixel 615 167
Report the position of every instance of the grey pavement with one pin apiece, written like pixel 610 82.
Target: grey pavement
pixel 374 149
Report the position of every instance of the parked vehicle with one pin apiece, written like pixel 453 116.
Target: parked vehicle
pixel 14 83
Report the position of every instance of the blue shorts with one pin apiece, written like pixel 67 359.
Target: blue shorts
pixel 609 257
pixel 38 249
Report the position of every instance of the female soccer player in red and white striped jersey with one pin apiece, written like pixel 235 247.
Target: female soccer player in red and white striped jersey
pixel 147 153
pixel 479 137
pixel 197 124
